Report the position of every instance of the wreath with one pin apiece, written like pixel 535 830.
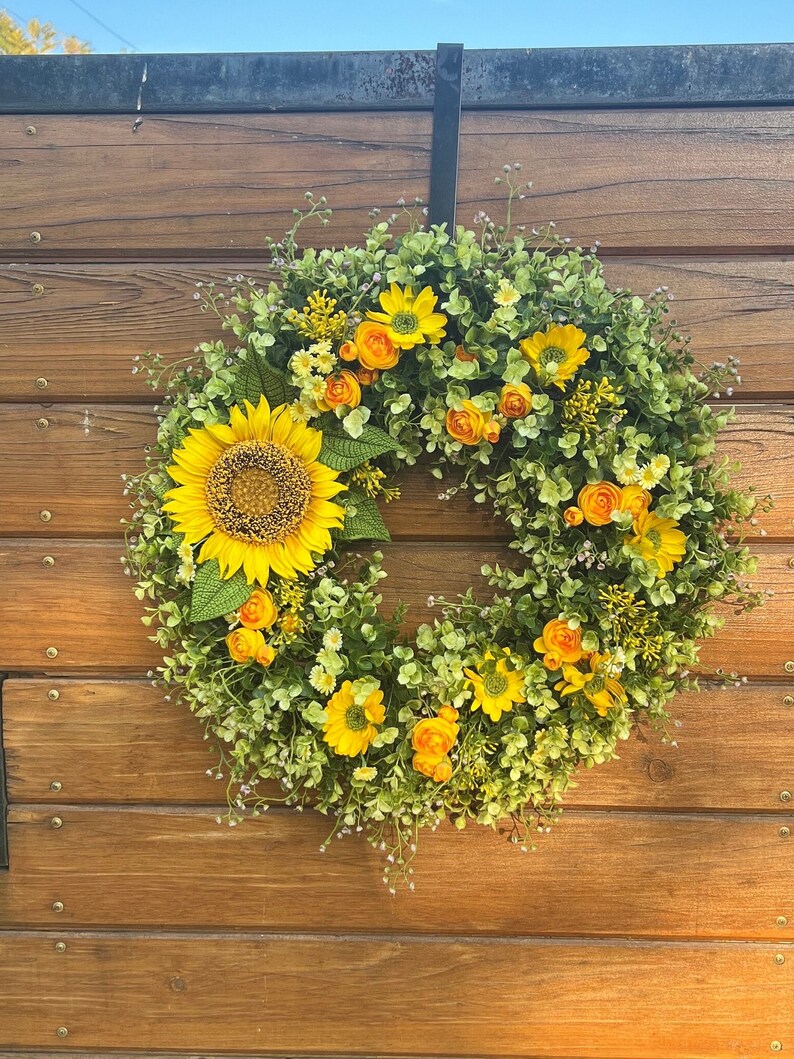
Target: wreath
pixel 506 367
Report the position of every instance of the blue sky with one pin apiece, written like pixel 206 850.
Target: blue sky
pixel 313 25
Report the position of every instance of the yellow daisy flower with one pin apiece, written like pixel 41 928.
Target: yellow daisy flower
pixel 556 354
pixel 657 539
pixel 601 690
pixel 497 689
pixel 253 492
pixel 410 320
pixel 506 294
pixel 353 714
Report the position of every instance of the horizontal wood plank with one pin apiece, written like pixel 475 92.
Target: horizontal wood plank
pixel 82 325
pixel 68 460
pixel 193 183
pixel 394 998
pixel 651 179
pixel 143 869
pixel 154 751
pixel 104 633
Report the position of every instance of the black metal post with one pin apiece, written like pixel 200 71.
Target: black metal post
pixel 446 135
pixel 3 797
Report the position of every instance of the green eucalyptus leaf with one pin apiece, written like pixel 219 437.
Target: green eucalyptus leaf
pixel 214 596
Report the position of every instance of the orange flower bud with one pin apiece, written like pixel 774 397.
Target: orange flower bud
pixel 438 769
pixel 449 713
pixel 573 516
pixel 348 351
pixel 443 770
pixel 366 376
pixel 376 350
pixel 635 499
pixel 466 424
pixel 259 612
pixel 552 661
pixel 515 401
pixel 598 501
pixel 265 655
pixel 492 431
pixel 462 354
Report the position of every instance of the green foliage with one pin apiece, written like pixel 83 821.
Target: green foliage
pixel 496 287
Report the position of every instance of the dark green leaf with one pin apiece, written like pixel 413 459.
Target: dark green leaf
pixel 363 520
pixel 213 596
pixel 343 453
pixel 257 377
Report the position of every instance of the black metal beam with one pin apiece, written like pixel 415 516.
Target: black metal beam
pixel 446 135
pixel 701 75
pixel 3 797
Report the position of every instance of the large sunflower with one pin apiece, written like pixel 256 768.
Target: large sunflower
pixel 496 687
pixel 410 319
pixel 555 354
pixel 254 492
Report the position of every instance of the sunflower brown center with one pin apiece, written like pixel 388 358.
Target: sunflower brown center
pixel 405 323
pixel 495 685
pixel 258 491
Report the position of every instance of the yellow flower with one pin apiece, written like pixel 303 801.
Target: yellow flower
pixel 634 499
pixel 657 539
pixel 364 773
pixel 506 294
pixel 466 424
pixel 647 477
pixel 559 643
pixel 515 400
pixel 555 355
pixel 244 644
pixel 410 320
pixel 573 516
pixel 318 320
pixel 353 714
pixel 597 502
pixel 601 690
pixel 497 688
pixel 255 494
pixel 259 612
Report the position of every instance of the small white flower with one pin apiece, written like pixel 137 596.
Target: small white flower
pixel 660 465
pixel 628 473
pixel 365 773
pixel 506 294
pixel 648 478
pixel 326 362
pixel 321 680
pixel 332 640
pixel 301 364
pixel 186 572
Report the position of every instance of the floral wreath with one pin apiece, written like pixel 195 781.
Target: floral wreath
pixel 513 372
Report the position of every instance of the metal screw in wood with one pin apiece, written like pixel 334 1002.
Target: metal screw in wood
pixel 45 516
pixel 56 822
pixel 30 130
pixel 37 289
pixel 35 237
pixel 62 1031
pixel 48 561
pixel 53 694
pixel 51 652
pixel 788 700
pixel 60 946
pixel 57 906
pixel 791 562
pixel 780 958
pixel 785 796
pixel 56 785
pixel 42 383
pixel 785 832
pixel 42 423
pixel 776 1046
pixel 782 921
pixel 789 667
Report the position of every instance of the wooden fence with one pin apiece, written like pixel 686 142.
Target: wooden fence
pixel 656 920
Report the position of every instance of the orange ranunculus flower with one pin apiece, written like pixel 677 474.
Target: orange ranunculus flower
pixel 376 350
pixel 449 713
pixel 366 376
pixel 515 401
pixel 552 661
pixel 573 516
pixel 492 431
pixel 463 354
pixel 598 501
pixel 244 644
pixel 559 643
pixel 259 612
pixel 342 388
pixel 348 351
pixel 635 499
pixel 265 655
pixel 438 769
pixel 466 424
pixel 434 736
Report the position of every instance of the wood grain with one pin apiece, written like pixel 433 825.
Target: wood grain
pixel 649 179
pixel 72 467
pixel 143 868
pixel 200 184
pixel 154 751
pixel 82 331
pixel 85 608
pixel 303 996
